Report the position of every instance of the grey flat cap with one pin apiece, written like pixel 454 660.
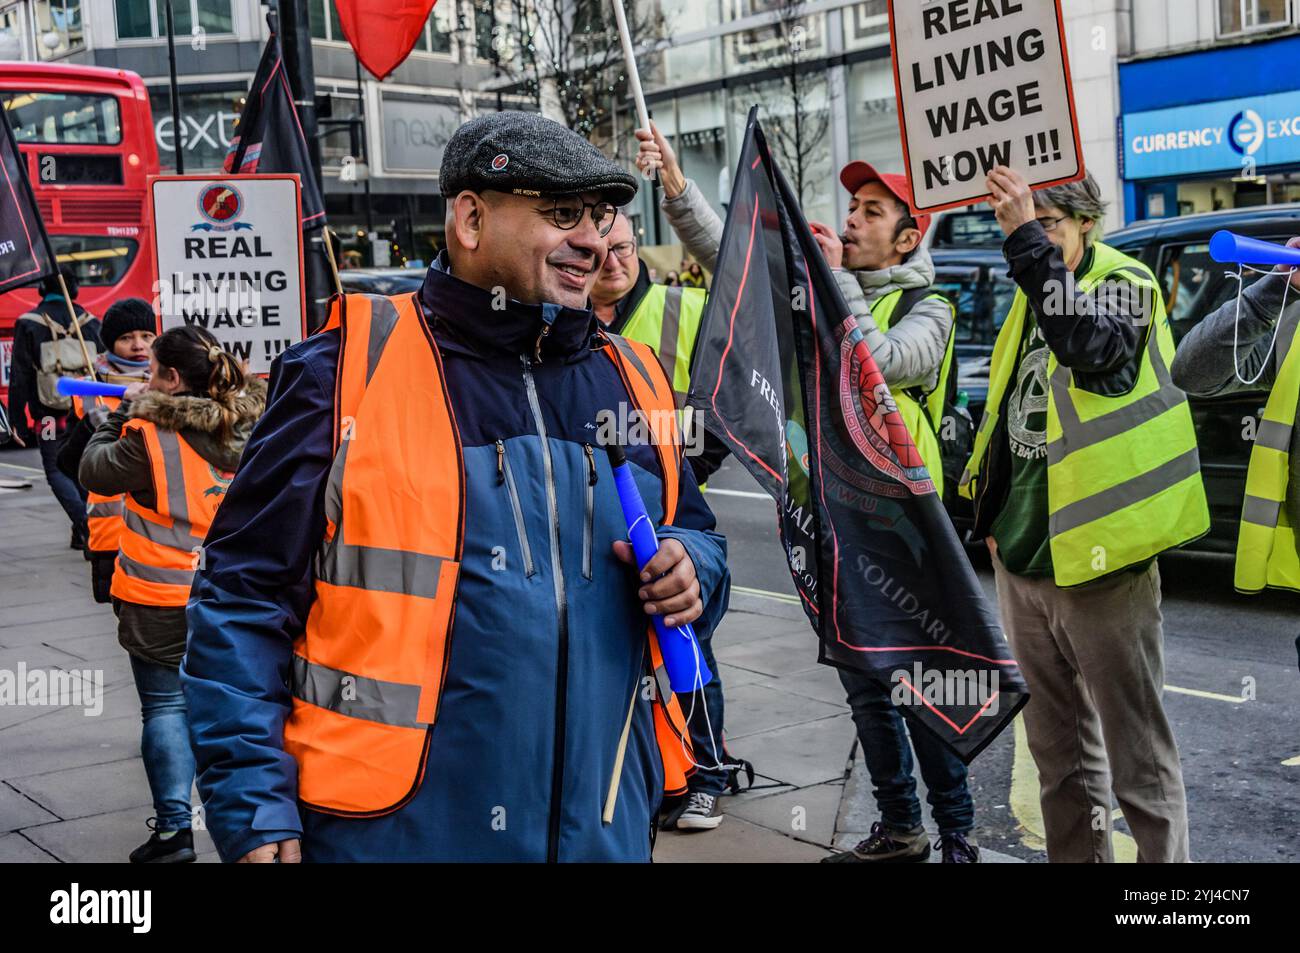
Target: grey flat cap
pixel 527 154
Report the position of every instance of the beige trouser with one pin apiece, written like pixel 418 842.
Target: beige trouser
pixel 1094 661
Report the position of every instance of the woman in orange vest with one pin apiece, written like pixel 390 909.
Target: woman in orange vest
pixel 171 448
pixel 127 331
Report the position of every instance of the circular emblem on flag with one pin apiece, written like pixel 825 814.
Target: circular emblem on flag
pixel 500 162
pixel 220 204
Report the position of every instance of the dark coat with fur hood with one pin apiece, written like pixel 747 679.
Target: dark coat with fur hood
pixel 114 463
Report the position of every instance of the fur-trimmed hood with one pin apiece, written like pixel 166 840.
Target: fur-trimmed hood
pixel 199 418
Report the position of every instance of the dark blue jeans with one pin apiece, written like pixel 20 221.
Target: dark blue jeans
pixel 882 736
pixel 168 759
pixel 703 744
pixel 69 494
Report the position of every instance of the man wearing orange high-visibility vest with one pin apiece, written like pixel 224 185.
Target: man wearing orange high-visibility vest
pixel 416 636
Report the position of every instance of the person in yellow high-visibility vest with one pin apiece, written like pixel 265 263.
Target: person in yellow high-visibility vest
pixel 1232 352
pixel 1085 469
pixel 885 276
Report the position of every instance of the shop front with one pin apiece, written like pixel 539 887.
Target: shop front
pixel 1211 130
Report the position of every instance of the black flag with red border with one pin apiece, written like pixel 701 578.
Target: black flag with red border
pixel 269 137
pixel 25 255
pixel 783 376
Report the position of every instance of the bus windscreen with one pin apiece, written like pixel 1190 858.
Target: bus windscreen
pixel 82 119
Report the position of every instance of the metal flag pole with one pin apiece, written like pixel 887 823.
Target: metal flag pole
pixel 175 92
pixel 633 74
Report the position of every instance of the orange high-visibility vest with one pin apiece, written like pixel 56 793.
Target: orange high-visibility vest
pixel 103 513
pixel 161 547
pixel 369 668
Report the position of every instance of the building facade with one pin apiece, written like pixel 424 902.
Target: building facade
pixel 720 57
pixel 1210 106
pixel 385 210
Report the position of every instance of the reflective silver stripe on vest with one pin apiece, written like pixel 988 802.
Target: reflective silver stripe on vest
pixel 668 331
pixel 1144 487
pixel 176 536
pixel 1077 435
pixel 1274 435
pixel 96 511
pixel 139 570
pixel 634 359
pixel 383 318
pixel 1261 512
pixel 389 703
pixel 380 570
pixel 177 504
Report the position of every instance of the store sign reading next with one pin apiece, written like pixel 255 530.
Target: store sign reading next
pixel 1233 136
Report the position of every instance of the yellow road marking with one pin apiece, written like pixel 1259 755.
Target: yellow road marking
pixel 14 466
pixel 766 594
pixel 1292 762
pixel 1213 696
pixel 1028 811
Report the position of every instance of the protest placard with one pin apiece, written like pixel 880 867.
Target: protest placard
pixel 982 83
pixel 229 259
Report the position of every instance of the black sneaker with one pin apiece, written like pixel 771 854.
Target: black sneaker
pixel 165 847
pixel 702 813
pixel 886 846
pixel 959 849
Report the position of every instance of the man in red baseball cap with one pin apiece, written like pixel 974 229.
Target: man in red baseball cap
pixel 885 276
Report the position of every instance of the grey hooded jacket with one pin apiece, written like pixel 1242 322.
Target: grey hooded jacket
pixel 910 354
pixel 1203 365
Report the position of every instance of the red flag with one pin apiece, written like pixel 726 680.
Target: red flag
pixel 383 32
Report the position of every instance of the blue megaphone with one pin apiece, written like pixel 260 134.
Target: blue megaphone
pixel 1232 249
pixel 687 671
pixel 76 387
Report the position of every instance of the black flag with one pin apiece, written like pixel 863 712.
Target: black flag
pixel 783 376
pixel 25 255
pixel 269 137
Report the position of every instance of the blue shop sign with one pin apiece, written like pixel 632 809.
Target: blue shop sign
pixel 1236 136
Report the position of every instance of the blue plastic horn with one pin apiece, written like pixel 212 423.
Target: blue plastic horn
pixel 678 646
pixel 76 387
pixel 1231 249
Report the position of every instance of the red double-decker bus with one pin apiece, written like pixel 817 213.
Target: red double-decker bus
pixel 87 135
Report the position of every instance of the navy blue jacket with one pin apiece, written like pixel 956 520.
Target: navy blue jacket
pixel 532 710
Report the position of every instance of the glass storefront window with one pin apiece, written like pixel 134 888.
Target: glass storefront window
pixel 207 127
pixel 64 118
pixel 147 19
pixel 679 65
pixel 58 27
pixel 873 115
pixel 776 45
pixel 11 34
pixel 866 25
pixel 1238 16
pixel 810 161
pixel 688 16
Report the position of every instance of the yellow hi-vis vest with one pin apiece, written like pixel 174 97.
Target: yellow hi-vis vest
pixel 1266 544
pixel 921 411
pixel 1123 472
pixel 668 320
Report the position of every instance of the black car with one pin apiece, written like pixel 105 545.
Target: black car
pixel 381 281
pixel 1177 251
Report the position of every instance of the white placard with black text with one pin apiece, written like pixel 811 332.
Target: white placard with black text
pixel 982 83
pixel 229 259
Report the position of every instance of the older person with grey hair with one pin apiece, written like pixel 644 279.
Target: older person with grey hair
pixel 1074 524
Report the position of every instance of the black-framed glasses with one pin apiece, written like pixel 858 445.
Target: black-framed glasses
pixel 624 250
pixel 1049 224
pixel 567 214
